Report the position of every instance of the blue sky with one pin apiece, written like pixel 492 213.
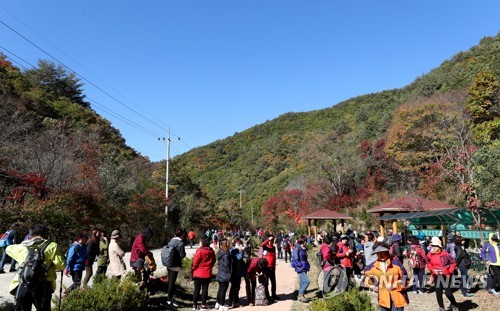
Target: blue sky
pixel 210 68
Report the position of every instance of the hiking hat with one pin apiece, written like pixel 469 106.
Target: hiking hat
pixel 115 234
pixel 138 263
pixel 396 237
pixel 435 241
pixel 344 237
pixel 380 249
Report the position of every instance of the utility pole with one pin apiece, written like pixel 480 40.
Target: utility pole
pixel 167 180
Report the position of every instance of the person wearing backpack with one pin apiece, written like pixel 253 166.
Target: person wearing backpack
pixel 172 257
pixel 38 291
pixel 287 248
pixel 417 261
pixel 8 238
pixel 396 251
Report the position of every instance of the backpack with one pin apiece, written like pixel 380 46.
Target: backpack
pixel 33 271
pixel 260 292
pixel 4 239
pixel 167 255
pixel 321 260
pixel 414 261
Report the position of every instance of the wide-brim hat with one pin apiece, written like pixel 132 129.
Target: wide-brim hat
pixel 435 241
pixel 380 249
pixel 115 234
pixel 396 237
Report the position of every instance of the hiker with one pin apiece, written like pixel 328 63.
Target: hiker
pixel 38 294
pixel 240 256
pixel 9 238
pixel 75 263
pixel 92 252
pixel 302 266
pixel 287 248
pixel 203 262
pixel 417 261
pixel 116 264
pixel 345 254
pixel 269 252
pixel 463 263
pixel 441 266
pixel 103 258
pixel 256 267
pixel 369 257
pixel 396 251
pixel 490 253
pixel 223 274
pixel 388 277
pixel 176 245
pixel 279 243
pixel 191 237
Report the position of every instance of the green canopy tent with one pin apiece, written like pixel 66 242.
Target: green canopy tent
pixel 457 219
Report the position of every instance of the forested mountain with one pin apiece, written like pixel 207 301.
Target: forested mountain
pixel 63 165
pixel 363 150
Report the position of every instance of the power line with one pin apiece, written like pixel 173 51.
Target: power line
pixel 76 62
pixel 77 74
pixel 12 53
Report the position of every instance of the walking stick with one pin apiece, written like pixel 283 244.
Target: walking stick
pixel 60 289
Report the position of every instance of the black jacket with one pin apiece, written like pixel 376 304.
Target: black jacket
pixel 224 272
pixel 462 258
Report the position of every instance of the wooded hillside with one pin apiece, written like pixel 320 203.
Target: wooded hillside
pixel 63 165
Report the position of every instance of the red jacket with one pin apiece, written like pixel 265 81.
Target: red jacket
pixel 345 259
pixel 139 250
pixel 441 261
pixel 203 262
pixel 328 259
pixel 270 255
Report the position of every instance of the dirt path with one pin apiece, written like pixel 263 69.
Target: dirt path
pixel 286 280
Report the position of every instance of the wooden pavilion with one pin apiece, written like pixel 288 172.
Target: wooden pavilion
pixel 325 214
pixel 405 204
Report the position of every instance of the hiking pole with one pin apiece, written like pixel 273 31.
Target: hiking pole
pixel 60 289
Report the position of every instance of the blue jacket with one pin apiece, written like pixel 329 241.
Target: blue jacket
pixel 301 263
pixel 77 255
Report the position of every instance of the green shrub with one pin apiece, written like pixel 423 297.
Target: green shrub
pixel 106 295
pixel 352 300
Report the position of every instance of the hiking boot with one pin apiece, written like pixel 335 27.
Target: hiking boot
pixel 236 305
pixel 468 295
pixel 172 304
pixel 453 308
pixel 275 297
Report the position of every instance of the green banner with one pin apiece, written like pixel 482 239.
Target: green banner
pixel 467 234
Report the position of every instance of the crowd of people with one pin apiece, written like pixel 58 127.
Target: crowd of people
pixel 381 261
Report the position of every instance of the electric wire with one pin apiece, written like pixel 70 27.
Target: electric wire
pixel 76 62
pixel 12 53
pixel 77 74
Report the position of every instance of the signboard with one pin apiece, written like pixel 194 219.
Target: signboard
pixel 468 234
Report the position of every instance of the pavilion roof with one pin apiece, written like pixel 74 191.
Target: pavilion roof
pixel 326 214
pixel 408 203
